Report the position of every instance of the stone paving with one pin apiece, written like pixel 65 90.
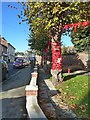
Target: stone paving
pixel 48 100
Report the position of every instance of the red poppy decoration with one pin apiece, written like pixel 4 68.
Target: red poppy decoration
pixel 47 50
pixel 77 25
pixel 56 56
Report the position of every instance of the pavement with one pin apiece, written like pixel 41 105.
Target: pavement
pixel 53 108
pixel 13 94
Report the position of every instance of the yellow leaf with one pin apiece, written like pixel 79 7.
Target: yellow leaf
pixel 55 10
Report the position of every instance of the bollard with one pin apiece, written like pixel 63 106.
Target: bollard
pixel 68 70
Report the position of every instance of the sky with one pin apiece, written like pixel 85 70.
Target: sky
pixel 15 33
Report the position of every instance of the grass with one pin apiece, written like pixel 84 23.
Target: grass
pixel 74 92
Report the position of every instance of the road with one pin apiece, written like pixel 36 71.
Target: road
pixel 11 70
pixel 13 93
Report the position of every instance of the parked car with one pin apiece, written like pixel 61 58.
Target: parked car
pixel 19 63
pixel 26 62
pixel 4 69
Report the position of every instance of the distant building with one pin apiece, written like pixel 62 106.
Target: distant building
pixel 68 50
pixel 11 53
pixel 71 49
pixel 3 49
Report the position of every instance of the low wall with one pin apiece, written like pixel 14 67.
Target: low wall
pixel 79 61
pixel 85 58
pixel 33 109
pixel 76 62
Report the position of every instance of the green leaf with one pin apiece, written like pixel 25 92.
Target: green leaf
pixel 55 19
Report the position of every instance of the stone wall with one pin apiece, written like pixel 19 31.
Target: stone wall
pixel 79 61
pixel 85 58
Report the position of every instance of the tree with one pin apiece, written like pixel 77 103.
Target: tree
pixel 38 40
pixel 81 39
pixel 52 16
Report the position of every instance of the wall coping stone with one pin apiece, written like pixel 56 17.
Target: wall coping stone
pixel 33 81
pixel 33 109
pixel 31 87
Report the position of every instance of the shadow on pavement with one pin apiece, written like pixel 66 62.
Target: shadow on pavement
pixel 20 79
pixel 14 108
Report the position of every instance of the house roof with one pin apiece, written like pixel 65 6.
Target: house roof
pixel 11 45
pixel 4 42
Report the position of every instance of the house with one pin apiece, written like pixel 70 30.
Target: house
pixel 71 49
pixel 11 53
pixel 0 50
pixel 3 49
pixel 7 51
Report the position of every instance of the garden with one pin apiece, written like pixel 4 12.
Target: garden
pixel 75 93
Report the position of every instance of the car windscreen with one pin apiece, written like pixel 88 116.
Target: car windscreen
pixel 19 60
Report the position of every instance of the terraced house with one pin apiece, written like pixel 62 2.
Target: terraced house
pixel 7 51
pixel 11 53
pixel 3 49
